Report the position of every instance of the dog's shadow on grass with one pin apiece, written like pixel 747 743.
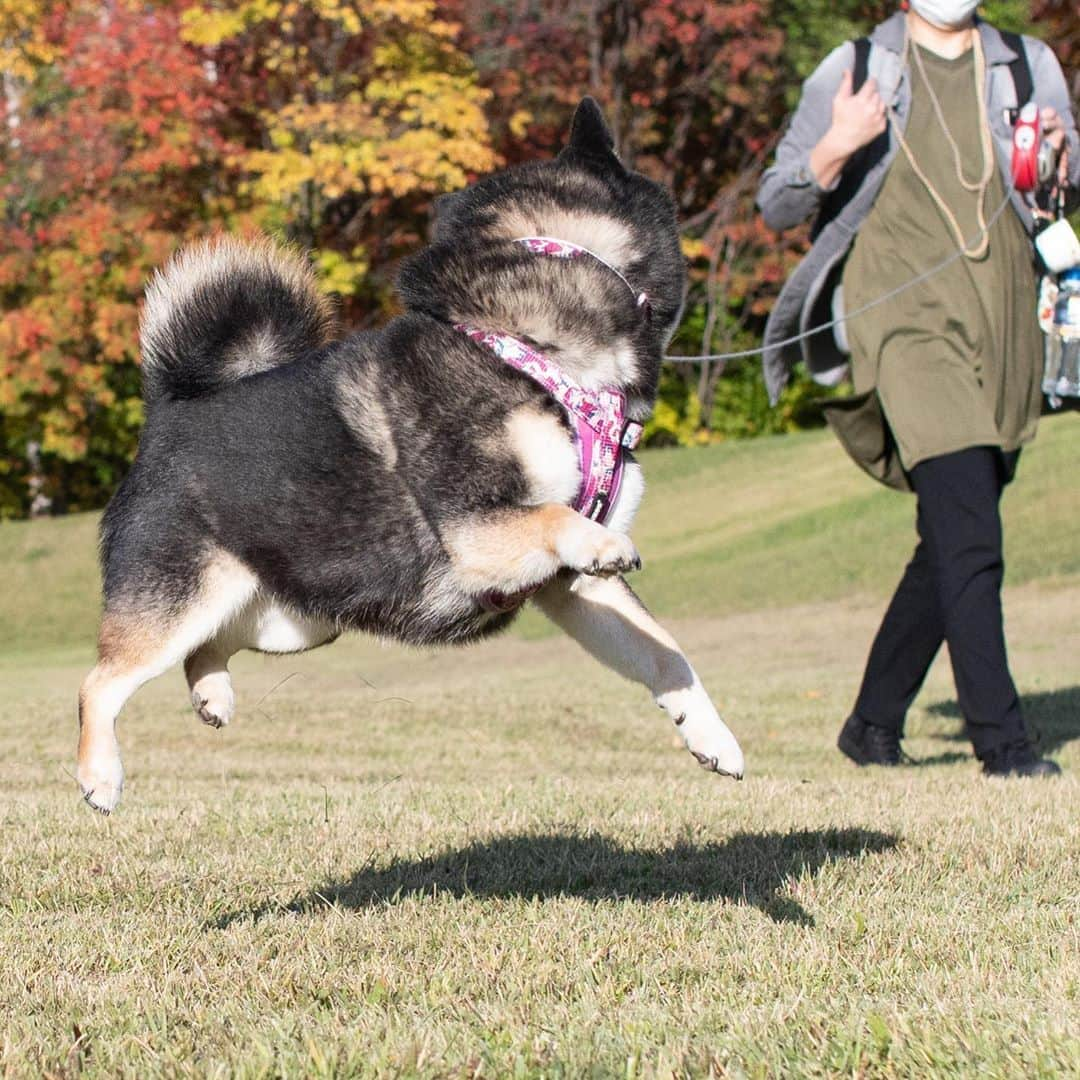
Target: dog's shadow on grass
pixel 749 868
pixel 1053 717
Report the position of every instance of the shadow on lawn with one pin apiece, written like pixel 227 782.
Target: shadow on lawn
pixel 748 868
pixel 1053 717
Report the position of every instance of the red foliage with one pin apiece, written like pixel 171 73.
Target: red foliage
pixel 114 159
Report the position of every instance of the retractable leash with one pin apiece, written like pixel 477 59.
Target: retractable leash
pixel 1034 160
pixel 1027 142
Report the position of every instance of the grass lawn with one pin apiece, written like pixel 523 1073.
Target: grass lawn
pixel 498 861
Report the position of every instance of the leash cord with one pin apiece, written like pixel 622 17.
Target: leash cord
pixel 761 349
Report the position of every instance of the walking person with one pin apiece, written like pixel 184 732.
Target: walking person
pixel 900 151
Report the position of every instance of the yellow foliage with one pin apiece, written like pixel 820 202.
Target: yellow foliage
pixel 23 47
pixel 409 120
pixel 519 123
pixel 670 425
pixel 213 25
pixel 342 274
pixel 693 248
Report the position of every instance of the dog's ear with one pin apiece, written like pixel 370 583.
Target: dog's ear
pixel 591 141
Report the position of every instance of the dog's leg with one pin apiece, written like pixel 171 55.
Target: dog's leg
pixel 517 549
pixel 101 697
pixel 604 616
pixel 137 643
pixel 207 671
pixel 132 649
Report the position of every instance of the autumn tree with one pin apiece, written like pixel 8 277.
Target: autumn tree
pixel 110 156
pixel 1058 22
pixel 132 126
pixel 352 117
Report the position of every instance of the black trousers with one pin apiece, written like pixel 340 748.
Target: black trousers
pixel 950 591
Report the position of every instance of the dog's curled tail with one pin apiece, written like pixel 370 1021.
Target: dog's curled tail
pixel 225 308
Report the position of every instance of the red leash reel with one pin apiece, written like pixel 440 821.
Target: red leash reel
pixel 1027 140
pixel 1034 160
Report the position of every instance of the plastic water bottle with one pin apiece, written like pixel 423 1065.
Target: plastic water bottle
pixel 1048 294
pixel 1067 331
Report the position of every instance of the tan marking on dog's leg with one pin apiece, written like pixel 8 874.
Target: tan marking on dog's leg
pixel 516 549
pixel 207 671
pixel 100 770
pixel 608 620
pixel 136 646
pixel 126 645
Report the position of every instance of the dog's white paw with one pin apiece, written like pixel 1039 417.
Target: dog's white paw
pixel 102 780
pixel 592 549
pixel 707 736
pixel 214 700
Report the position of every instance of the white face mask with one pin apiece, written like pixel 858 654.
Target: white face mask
pixel 942 13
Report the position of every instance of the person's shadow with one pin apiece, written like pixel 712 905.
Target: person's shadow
pixel 747 868
pixel 1053 717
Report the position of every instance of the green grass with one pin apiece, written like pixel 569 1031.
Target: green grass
pixel 497 861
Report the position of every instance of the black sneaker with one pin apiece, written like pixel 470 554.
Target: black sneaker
pixel 866 744
pixel 1019 759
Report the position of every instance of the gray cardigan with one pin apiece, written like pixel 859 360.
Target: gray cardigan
pixel 789 194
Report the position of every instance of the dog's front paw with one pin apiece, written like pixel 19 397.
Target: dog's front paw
pixel 707 736
pixel 592 549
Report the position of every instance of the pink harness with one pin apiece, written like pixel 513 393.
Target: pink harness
pixel 603 430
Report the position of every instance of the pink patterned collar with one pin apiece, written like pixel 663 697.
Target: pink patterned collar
pixel 567 249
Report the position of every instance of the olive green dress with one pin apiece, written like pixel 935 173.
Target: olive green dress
pixel 956 361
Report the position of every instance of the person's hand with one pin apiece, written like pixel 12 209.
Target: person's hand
pixel 1053 130
pixel 857 119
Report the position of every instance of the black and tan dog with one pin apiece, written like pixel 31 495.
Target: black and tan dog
pixel 290 486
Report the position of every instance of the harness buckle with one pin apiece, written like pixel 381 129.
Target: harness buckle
pixel 631 435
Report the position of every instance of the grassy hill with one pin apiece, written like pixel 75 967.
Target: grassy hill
pixel 499 861
pixel 723 529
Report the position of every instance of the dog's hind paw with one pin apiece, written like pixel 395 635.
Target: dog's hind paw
pixel 211 718
pixel 214 701
pixel 101 782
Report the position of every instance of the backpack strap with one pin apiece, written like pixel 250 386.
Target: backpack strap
pixel 863 159
pixel 862 63
pixel 1019 68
